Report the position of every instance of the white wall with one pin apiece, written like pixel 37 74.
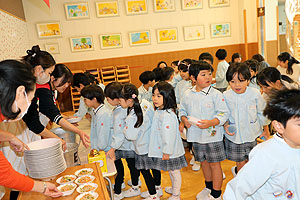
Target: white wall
pixel 37 11
pixel 282 18
pixel 271 19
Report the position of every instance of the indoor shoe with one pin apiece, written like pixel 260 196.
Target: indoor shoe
pixel 224 176
pixel 119 196
pixel 233 171
pixel 192 161
pixel 174 197
pixel 196 166
pixel 152 197
pixel 132 192
pixel 203 194
pixel 169 190
pixel 130 183
pixel 122 186
pixel 158 189
pixel 209 197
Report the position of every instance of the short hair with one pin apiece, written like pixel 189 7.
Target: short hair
pixel 196 67
pixel 80 78
pixel 91 78
pixel 158 73
pixel 168 93
pixel 167 73
pixel 269 74
pixel 175 62
pixel 161 62
pixel 93 91
pixel 258 57
pixel 206 56
pixel 113 90
pixel 252 64
pixel 234 56
pixel 283 105
pixel 62 70
pixel 221 54
pixel 147 76
pixel 240 69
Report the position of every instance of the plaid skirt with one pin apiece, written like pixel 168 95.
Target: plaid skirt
pixel 143 162
pixel 238 152
pixel 124 154
pixel 211 152
pixel 169 165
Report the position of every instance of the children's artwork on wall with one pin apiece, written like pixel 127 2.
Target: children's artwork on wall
pixel 107 9
pixel 136 7
pixel 167 35
pixel 218 3
pixel 49 30
pixel 191 4
pixel 77 10
pixel 164 5
pixel 193 32
pixel 220 30
pixel 111 41
pixel 84 43
pixel 139 38
pixel 52 48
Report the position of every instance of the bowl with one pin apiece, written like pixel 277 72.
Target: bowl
pixel 87 187
pixel 84 171
pixel 67 189
pixel 74 120
pixel 92 195
pixel 66 179
pixel 84 179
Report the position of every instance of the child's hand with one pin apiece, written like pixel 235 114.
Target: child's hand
pixel 226 130
pixel 166 157
pixel 111 154
pixel 85 138
pixel 181 127
pixel 204 124
pixel 265 135
pixel 186 122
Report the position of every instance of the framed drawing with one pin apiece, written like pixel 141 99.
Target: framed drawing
pixel 49 30
pixel 136 7
pixel 84 43
pixel 191 4
pixel 107 8
pixel 77 10
pixel 139 38
pixel 167 35
pixel 52 48
pixel 110 41
pixel 193 32
pixel 218 3
pixel 164 5
pixel 220 30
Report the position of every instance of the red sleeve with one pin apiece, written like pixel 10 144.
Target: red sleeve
pixel 13 179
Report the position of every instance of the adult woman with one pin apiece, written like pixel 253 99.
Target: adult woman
pixel 289 66
pixel 17 87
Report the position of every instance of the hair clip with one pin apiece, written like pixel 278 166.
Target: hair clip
pixel 178 62
pixel 33 54
pixel 133 96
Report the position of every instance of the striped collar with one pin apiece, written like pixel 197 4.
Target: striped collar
pixel 97 109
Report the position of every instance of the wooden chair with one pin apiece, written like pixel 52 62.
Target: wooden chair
pixel 123 73
pixel 96 73
pixel 108 74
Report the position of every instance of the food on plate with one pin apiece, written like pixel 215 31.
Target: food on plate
pixel 84 171
pixel 66 179
pixel 66 188
pixel 88 187
pixel 85 179
pixel 87 196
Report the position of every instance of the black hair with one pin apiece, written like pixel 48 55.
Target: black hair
pixel 287 79
pixel 234 56
pixel 113 90
pixel 283 105
pixel 130 91
pixel 91 78
pixel 269 74
pixel 158 74
pixel 206 56
pixel 185 64
pixel 147 76
pixel 80 78
pixel 37 57
pixel 221 54
pixel 167 73
pixel 285 56
pixel 168 93
pixel 12 75
pixel 62 70
pixel 252 64
pixel 93 91
pixel 258 57
pixel 175 62
pixel 161 62
pixel 196 67
pixel 239 69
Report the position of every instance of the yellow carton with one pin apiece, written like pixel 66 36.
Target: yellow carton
pixel 101 159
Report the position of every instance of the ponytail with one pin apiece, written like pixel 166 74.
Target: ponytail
pixel 284 56
pixel 138 112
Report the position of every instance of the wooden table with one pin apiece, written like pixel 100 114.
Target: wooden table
pixel 101 190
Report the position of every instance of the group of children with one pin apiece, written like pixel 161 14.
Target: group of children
pixel 145 125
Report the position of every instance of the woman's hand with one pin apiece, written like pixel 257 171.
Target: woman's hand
pixel 17 144
pixel 85 138
pixel 46 188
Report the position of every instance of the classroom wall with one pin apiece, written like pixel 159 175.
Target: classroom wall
pixel 14 7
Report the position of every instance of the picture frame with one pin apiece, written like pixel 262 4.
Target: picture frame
pixel 111 41
pixel 194 32
pixel 220 30
pixel 139 38
pixel 134 7
pixel 167 35
pixel 49 29
pixel 77 10
pixel 164 5
pixel 81 43
pixel 52 48
pixel 218 3
pixel 107 8
pixel 191 4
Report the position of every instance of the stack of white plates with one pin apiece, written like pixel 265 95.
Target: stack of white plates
pixel 45 158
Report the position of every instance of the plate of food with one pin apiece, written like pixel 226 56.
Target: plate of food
pixel 67 189
pixel 87 187
pixel 87 196
pixel 66 179
pixel 74 120
pixel 84 171
pixel 84 179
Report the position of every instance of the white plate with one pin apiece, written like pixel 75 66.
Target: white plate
pixel 194 121
pixel 69 192
pixel 83 185
pixel 43 144
pixel 89 171
pixel 74 120
pixel 82 177
pixel 94 194
pixel 59 179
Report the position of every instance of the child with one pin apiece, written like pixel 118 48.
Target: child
pixel 177 78
pixel 161 64
pixel 246 115
pixel 207 104
pixel 168 75
pixel 236 57
pixel 273 168
pixel 165 144
pixel 253 65
pixel 148 80
pixel 262 64
pixel 207 57
pixel 137 129
pixel 158 73
pixel 120 146
pixel 174 65
pixel 186 83
pixel 101 117
pixel 221 83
